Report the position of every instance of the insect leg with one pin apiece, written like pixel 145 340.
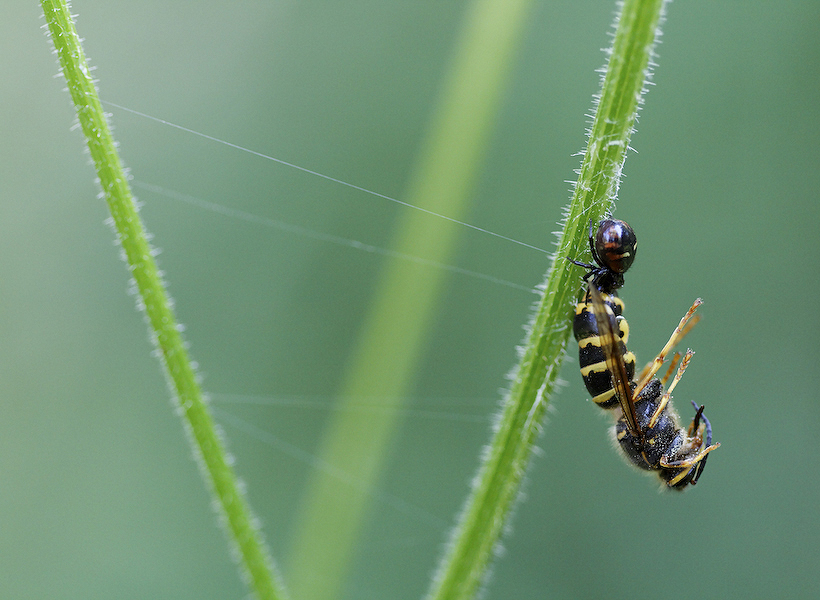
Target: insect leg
pixel 696 423
pixel 680 331
pixel 668 395
pixel 672 365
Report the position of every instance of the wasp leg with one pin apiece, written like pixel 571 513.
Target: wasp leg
pixel 668 395
pixel 580 264
pixel 695 425
pixel 590 268
pixel 685 465
pixel 591 234
pixel 688 462
pixel 696 431
pixel 680 331
pixel 699 460
pixel 701 466
pixel 672 364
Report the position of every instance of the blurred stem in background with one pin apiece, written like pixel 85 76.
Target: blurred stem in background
pixel 393 335
pixel 496 488
pixel 214 462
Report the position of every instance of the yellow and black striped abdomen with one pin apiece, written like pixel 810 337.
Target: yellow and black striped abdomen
pixel 591 356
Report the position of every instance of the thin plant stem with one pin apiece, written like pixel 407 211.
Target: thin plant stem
pixel 496 487
pixel 395 330
pixel 244 535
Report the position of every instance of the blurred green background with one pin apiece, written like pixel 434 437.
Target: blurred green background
pixel 99 496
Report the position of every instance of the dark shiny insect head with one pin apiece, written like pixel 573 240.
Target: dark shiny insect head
pixel 613 247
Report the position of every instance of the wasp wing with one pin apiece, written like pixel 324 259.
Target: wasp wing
pixel 610 340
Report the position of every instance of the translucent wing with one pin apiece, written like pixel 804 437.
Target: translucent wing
pixel 610 340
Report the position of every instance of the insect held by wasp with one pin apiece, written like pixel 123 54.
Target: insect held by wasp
pixel 647 428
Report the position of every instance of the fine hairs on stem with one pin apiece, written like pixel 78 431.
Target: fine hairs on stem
pixel 486 513
pixel 207 446
pixel 496 487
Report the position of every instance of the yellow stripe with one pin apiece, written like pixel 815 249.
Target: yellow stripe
pixel 677 478
pixel 623 326
pixel 594 340
pixel 601 398
pixel 599 367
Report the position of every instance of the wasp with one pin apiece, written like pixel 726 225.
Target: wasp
pixel 613 249
pixel 647 427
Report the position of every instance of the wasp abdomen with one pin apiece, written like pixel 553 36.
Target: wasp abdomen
pixel 592 359
pixel 677 455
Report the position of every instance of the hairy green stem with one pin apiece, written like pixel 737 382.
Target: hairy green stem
pixel 207 446
pixel 496 487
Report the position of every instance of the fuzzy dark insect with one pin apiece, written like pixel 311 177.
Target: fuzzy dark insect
pixel 647 427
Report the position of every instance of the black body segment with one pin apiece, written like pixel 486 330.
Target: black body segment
pixel 591 355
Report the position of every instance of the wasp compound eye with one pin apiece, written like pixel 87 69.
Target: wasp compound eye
pixel 615 245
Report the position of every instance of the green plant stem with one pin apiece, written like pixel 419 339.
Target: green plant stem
pixel 395 330
pixel 497 485
pixel 206 443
